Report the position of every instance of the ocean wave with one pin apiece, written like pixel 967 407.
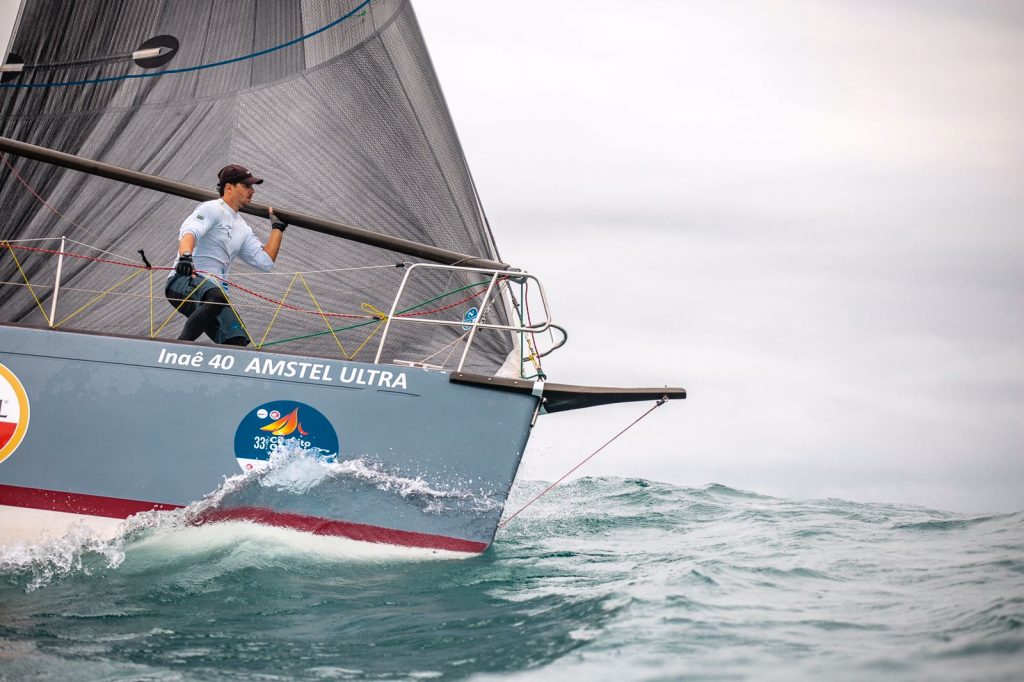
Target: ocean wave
pixel 602 578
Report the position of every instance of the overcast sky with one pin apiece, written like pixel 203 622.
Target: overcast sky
pixel 806 213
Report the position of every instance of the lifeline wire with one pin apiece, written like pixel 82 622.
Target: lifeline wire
pixel 661 401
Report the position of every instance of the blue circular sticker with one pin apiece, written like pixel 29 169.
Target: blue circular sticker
pixel 278 422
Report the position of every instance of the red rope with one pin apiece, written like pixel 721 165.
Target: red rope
pixel 36 194
pixel 236 286
pixel 252 293
pixel 78 255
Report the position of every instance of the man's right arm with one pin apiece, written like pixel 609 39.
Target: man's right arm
pixel 187 243
pixel 196 224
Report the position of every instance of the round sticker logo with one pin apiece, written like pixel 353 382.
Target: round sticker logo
pixel 277 423
pixel 13 412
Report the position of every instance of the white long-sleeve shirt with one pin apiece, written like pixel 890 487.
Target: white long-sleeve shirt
pixel 221 236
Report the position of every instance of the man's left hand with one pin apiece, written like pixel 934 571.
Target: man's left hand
pixel 184 266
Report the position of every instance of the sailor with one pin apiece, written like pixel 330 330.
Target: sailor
pixel 208 242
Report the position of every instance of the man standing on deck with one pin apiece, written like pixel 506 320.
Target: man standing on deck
pixel 208 241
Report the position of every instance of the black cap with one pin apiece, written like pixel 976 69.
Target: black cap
pixel 236 173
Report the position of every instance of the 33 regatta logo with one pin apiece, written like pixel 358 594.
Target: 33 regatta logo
pixel 13 412
pixel 279 423
pixel 285 426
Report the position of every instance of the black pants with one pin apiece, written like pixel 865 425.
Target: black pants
pixel 211 314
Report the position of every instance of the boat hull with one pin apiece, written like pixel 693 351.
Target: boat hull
pixel 111 426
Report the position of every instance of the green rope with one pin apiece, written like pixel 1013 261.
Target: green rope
pixel 375 321
pixel 329 331
pixel 420 305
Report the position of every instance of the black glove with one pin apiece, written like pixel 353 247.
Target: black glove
pixel 184 266
pixel 277 223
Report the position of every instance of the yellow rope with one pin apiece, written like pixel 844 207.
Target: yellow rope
pixel 38 302
pixel 326 321
pixel 363 344
pixel 97 298
pixel 369 309
pixel 279 306
pixel 372 310
pixel 185 300
pixel 532 357
pixel 244 329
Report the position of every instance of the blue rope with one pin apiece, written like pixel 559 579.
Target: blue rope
pixel 192 68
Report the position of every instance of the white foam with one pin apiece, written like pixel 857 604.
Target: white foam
pixel 54 557
pixel 294 469
pixel 61 544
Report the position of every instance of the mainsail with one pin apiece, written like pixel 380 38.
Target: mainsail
pixel 334 102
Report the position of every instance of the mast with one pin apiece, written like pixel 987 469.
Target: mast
pixel 314 223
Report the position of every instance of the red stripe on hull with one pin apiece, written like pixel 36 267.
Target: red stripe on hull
pixel 116 508
pixel 345 529
pixel 77 503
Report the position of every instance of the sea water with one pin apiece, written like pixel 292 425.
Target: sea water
pixel 601 579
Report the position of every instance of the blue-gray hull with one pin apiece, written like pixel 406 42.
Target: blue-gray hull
pixel 115 422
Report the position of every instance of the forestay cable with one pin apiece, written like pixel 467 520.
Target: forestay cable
pixel 656 405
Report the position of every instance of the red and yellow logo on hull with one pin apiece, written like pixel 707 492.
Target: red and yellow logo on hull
pixel 13 412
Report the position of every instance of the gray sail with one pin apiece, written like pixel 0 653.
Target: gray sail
pixel 335 104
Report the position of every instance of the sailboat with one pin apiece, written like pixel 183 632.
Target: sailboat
pixel 391 341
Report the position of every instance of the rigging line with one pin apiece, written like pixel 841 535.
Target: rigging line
pixel 315 334
pixel 280 305
pixel 404 313
pixel 452 348
pixel 440 350
pixel 33 239
pixel 363 344
pixel 54 252
pixel 371 320
pixel 532 339
pixel 320 312
pixel 122 294
pixel 237 317
pixel 33 292
pixel 327 322
pixel 187 299
pixel 211 65
pixel 101 295
pixel 281 273
pixel 661 401
pixel 98 249
pixel 36 195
